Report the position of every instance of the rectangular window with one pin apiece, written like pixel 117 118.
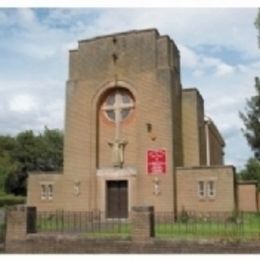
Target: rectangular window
pixel 50 191
pixel 211 189
pixel 43 192
pixel 46 191
pixel 201 189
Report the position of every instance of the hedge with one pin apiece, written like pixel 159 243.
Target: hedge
pixel 9 200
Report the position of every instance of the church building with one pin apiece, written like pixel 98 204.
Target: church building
pixel 133 135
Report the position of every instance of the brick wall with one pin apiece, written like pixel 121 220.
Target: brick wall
pixel 71 244
pixel 247 196
pixel 142 223
pixel 20 220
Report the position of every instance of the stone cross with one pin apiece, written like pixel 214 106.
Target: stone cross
pixel 119 106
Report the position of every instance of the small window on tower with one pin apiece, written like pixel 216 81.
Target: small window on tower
pixel 201 189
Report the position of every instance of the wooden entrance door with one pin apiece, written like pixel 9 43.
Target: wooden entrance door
pixel 117 199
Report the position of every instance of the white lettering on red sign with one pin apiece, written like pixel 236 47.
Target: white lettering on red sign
pixel 156 161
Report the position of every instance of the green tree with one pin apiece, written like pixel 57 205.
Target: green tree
pixel 50 150
pixel 25 152
pixel 251 119
pixel 24 156
pixel 29 152
pixel 7 166
pixel 251 171
pixel 7 144
pixel 15 182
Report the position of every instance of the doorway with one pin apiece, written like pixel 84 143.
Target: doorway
pixel 117 199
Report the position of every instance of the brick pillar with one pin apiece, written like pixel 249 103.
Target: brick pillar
pixel 20 220
pixel 142 223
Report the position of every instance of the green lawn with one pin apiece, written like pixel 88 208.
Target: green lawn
pixel 213 231
pixel 248 229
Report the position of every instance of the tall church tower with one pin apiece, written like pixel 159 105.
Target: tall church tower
pixel 123 122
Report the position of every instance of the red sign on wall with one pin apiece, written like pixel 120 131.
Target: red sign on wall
pixel 156 161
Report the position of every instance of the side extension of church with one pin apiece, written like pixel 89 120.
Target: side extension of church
pixel 134 136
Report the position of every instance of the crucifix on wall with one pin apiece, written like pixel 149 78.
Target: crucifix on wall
pixel 117 107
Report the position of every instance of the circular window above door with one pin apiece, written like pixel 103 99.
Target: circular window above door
pixel 118 105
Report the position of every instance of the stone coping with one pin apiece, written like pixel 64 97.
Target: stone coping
pixel 120 34
pixel 117 172
pixel 143 208
pixel 245 182
pixel 205 167
pixel 46 173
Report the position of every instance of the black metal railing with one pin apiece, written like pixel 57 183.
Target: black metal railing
pixel 167 225
pixel 89 224
pixel 207 225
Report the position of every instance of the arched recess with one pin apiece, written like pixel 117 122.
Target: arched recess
pixel 106 127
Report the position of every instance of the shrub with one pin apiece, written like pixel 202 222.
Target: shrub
pixel 9 200
pixel 235 218
pixel 184 216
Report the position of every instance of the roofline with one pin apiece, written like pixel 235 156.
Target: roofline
pixel 208 120
pixel 206 167
pixel 245 182
pixel 194 90
pixel 119 34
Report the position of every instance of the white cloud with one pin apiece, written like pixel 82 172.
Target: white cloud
pixel 198 73
pixel 192 26
pixel 26 16
pixel 200 64
pixel 23 103
pixel 224 69
pixel 189 59
pixel 53 115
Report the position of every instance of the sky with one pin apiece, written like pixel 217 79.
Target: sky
pixel 218 47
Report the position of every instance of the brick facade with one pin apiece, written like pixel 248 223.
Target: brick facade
pixel 189 198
